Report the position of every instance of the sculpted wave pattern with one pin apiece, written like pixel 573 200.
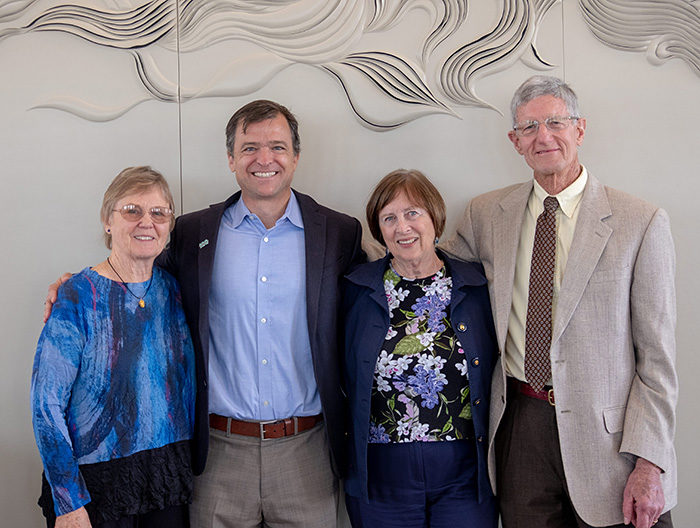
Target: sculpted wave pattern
pixel 665 30
pixel 386 88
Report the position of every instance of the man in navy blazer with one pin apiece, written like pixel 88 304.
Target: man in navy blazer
pixel 270 413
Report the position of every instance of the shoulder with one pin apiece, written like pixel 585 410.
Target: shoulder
pixel 83 283
pixel 165 279
pixel 622 203
pixel 624 212
pixel 468 273
pixel 196 216
pixel 309 205
pixel 493 197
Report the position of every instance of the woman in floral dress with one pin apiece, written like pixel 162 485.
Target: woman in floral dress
pixel 419 352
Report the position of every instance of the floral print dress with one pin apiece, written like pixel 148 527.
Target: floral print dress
pixel 420 391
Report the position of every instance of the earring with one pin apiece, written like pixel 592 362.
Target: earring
pixel 437 239
pixel 109 230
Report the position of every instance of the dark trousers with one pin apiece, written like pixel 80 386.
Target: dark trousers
pixel 171 517
pixel 422 485
pixel 532 491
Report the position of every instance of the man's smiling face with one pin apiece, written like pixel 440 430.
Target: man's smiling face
pixel 547 152
pixel 264 160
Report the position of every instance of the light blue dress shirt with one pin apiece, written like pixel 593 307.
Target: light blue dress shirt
pixel 260 365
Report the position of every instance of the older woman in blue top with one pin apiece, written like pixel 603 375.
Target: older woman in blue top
pixel 113 380
pixel 419 353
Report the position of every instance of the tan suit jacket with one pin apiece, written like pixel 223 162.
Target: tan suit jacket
pixel 613 337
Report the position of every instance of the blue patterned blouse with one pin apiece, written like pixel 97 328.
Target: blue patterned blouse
pixel 110 378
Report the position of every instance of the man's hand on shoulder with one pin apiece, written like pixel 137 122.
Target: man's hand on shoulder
pixel 643 499
pixel 53 294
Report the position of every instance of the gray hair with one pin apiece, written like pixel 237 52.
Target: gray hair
pixel 539 85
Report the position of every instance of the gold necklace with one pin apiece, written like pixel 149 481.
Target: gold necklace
pixel 142 303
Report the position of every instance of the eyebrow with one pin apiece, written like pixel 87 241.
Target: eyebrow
pixel 269 143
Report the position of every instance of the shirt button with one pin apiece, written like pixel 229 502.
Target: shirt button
pixel 264 361
pixel 265 239
pixel 263 320
pixel 266 402
pixel 475 362
pixel 263 278
pixel 461 327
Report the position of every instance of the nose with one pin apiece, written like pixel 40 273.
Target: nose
pixel 146 221
pixel 402 224
pixel 265 156
pixel 543 133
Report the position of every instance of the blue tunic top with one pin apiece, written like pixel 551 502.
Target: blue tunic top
pixel 110 378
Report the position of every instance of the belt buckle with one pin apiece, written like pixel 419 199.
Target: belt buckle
pixel 550 397
pixel 262 428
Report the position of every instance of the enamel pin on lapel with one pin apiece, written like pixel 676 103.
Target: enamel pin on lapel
pixel 203 243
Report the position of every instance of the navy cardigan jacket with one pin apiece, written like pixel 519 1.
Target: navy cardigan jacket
pixel 366 320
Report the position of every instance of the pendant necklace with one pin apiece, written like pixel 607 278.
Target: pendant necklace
pixel 142 303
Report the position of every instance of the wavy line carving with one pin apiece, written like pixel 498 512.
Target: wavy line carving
pixel 385 87
pixel 665 30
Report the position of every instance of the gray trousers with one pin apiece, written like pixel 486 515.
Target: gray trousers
pixel 279 483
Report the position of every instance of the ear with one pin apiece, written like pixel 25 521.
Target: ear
pixel 515 140
pixel 231 164
pixel 580 130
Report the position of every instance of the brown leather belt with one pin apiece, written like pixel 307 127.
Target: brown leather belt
pixel 264 430
pixel 547 394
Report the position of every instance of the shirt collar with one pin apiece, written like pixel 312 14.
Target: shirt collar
pixel 568 199
pixel 239 211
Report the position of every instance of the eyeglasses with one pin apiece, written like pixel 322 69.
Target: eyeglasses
pixel 554 124
pixel 134 213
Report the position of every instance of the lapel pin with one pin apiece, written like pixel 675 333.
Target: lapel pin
pixel 203 243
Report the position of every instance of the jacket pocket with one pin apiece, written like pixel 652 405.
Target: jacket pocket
pixel 614 418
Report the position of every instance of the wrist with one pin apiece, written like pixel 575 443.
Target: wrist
pixel 643 463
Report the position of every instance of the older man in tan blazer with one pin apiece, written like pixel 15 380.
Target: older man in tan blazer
pixel 582 436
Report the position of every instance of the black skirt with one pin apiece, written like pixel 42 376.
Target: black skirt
pixel 146 481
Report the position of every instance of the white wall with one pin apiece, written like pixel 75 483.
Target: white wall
pixel 641 137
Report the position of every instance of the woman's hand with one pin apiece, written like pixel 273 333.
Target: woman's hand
pixel 75 519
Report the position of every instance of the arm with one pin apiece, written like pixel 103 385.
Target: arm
pixel 358 253
pixel 650 417
pixel 166 260
pixel 75 519
pixel 56 366
pixel 53 293
pixel 462 244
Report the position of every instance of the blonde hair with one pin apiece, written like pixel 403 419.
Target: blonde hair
pixel 130 181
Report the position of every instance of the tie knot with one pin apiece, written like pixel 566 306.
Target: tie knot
pixel 551 204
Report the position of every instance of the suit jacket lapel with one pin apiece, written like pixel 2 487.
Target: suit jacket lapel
pixel 314 242
pixel 208 236
pixel 590 238
pixel 507 224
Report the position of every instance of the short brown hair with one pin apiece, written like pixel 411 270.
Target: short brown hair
pixel 417 187
pixel 129 181
pixel 257 111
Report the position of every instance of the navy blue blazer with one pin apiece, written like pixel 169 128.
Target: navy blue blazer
pixel 366 321
pixel 332 246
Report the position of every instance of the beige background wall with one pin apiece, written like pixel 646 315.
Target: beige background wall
pixel 642 137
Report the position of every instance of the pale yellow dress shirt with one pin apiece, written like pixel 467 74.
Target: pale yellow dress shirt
pixel 567 214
